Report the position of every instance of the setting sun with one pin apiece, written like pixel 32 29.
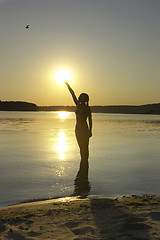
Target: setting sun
pixel 62 75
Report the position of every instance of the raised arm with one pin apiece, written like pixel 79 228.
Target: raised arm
pixel 72 93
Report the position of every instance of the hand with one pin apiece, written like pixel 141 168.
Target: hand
pixel 66 82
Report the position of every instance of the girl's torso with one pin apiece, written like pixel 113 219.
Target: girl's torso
pixel 82 112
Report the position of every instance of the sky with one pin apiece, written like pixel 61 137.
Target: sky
pixel 111 48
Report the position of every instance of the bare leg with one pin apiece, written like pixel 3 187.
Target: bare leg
pixel 83 142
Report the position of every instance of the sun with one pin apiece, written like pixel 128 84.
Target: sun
pixel 63 75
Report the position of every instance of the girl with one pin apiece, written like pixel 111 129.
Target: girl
pixel 83 130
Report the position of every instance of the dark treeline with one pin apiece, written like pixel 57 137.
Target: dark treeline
pixel 57 108
pixel 17 106
pixel 128 109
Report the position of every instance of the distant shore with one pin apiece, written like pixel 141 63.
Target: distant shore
pixel 121 109
pixel 124 109
pixel 123 218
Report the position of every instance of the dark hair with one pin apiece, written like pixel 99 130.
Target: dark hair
pixel 83 97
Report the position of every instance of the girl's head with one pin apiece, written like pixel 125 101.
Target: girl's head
pixel 83 98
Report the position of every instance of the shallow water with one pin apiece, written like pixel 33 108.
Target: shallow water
pixel 39 156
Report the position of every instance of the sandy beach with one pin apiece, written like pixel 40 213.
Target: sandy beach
pixel 126 218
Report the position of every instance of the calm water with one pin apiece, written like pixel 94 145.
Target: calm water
pixel 39 156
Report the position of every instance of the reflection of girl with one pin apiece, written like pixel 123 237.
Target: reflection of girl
pixel 82 130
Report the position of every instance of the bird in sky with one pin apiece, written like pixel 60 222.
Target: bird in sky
pixel 27 26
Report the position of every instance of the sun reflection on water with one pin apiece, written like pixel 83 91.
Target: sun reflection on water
pixel 61 145
pixel 63 114
pixel 62 140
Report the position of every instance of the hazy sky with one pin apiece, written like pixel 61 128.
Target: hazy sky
pixel 111 47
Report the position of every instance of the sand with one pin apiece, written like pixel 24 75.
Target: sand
pixel 127 218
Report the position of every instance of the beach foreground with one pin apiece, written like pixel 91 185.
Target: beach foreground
pixel 124 218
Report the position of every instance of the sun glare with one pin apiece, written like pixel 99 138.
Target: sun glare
pixel 63 75
pixel 63 115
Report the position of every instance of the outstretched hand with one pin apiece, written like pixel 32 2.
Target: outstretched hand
pixel 66 82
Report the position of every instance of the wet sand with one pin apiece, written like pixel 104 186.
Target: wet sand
pixel 126 218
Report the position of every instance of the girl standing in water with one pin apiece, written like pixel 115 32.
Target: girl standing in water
pixel 83 129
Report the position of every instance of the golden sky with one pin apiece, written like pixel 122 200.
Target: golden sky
pixel 111 47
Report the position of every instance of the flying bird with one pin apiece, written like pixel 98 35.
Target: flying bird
pixel 27 26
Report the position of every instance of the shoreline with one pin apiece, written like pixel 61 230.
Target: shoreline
pixel 34 200
pixel 123 218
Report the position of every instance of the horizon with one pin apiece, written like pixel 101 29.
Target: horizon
pixel 22 101
pixel 111 49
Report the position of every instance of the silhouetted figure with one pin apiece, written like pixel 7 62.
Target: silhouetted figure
pixel 83 131
pixel 27 26
pixel 81 183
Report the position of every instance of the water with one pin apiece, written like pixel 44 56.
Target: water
pixel 39 156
